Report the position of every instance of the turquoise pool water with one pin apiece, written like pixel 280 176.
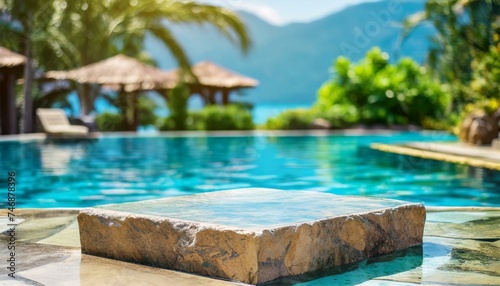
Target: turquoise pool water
pixel 124 169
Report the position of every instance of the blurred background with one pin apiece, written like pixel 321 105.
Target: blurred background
pixel 254 64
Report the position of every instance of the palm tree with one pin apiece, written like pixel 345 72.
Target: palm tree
pixel 464 32
pixel 123 27
pixel 20 23
pixel 81 32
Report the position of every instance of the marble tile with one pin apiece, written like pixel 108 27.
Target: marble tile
pixel 484 228
pixel 69 236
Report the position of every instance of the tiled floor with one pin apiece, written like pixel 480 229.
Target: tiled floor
pixel 460 247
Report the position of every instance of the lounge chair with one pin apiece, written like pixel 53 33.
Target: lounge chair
pixel 55 123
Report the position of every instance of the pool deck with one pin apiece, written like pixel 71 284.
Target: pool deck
pixel 461 247
pixel 453 152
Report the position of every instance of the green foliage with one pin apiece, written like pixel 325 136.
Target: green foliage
pixel 489 106
pixel 243 105
pixel 293 119
pixel 146 108
pixel 486 77
pixel 376 92
pixel 465 33
pixel 177 104
pixel 229 117
pixel 110 122
pixel 448 123
pixel 70 34
pixel 339 116
pixel 194 122
pixel 166 124
pixel 117 26
pixel 212 118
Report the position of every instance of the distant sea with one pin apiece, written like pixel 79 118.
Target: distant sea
pixel 260 112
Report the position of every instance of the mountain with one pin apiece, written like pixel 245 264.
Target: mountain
pixel 291 62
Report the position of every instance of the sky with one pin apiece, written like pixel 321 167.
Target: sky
pixel 282 12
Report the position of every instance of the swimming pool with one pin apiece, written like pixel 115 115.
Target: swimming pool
pixel 131 168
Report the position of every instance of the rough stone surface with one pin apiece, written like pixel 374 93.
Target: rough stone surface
pixel 251 235
pixel 479 128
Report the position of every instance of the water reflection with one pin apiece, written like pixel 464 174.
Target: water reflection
pixel 390 264
pixel 55 158
pixel 115 169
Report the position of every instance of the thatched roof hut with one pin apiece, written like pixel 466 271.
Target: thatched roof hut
pixel 212 75
pixel 213 78
pixel 121 73
pixel 10 59
pixel 119 70
pixel 11 66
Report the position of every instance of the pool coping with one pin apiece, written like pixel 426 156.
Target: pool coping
pixel 446 156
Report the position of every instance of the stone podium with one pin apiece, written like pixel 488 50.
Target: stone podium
pixel 251 235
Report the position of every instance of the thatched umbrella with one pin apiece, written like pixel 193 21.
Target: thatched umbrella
pixel 213 78
pixel 124 73
pixel 11 65
pixel 120 70
pixel 10 59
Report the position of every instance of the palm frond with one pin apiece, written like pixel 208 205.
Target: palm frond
pixel 169 40
pixel 226 21
pixel 413 21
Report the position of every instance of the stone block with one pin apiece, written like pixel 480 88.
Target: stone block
pixel 251 235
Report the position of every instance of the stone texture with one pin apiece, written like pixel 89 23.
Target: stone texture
pixel 479 128
pixel 251 235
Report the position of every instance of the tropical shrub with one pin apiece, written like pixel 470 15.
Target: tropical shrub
pixel 177 104
pixel 465 31
pixel 122 121
pixel 377 92
pixel 486 76
pixel 146 108
pixel 339 116
pixel 110 122
pixel 489 106
pixel 293 119
pixel 243 105
pixel 211 118
pixel 226 118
